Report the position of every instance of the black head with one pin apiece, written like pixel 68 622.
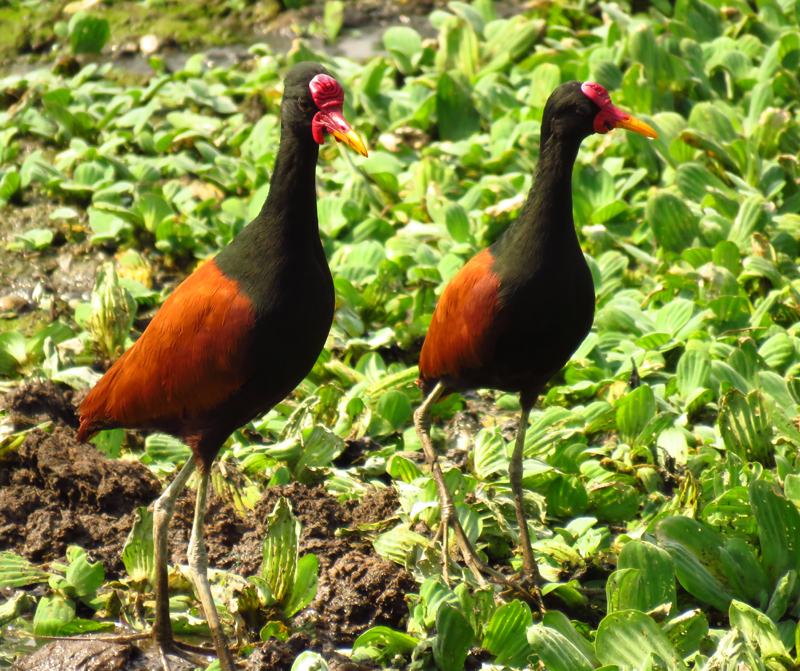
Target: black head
pixel 575 110
pixel 312 105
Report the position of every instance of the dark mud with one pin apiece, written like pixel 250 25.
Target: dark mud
pixel 81 656
pixel 40 401
pixel 357 588
pixel 55 493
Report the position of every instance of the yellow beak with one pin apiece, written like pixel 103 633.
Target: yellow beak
pixel 637 127
pixel 351 140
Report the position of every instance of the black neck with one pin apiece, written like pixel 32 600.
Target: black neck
pixel 545 222
pixel 290 211
pixel 287 226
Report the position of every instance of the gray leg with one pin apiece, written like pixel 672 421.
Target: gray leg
pixel 162 513
pixel 198 565
pixel 529 568
pixel 449 514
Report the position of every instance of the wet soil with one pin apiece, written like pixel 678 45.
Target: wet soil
pixel 55 493
pixel 39 401
pixel 357 588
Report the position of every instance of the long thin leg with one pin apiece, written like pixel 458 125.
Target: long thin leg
pixel 529 568
pixel 449 514
pixel 198 565
pixel 162 514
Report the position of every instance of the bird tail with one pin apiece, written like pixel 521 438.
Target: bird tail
pixel 93 410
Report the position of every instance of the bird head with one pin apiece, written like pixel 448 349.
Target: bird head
pixel 586 108
pixel 313 97
pixel 610 117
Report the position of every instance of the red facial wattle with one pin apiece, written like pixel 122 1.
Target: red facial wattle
pixel 328 96
pixel 609 116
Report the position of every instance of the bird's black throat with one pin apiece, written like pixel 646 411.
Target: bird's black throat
pixel 286 231
pixel 544 231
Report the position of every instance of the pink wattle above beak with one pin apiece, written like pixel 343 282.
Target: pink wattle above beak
pixel 328 96
pixel 334 122
pixel 610 117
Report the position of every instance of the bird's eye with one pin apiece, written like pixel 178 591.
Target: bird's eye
pixel 584 109
pixel 304 105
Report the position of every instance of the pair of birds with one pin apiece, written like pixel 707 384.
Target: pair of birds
pixel 241 332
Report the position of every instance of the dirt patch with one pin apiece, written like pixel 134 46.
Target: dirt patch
pixel 376 507
pixel 56 493
pixel 231 541
pixel 97 655
pixel 360 590
pixel 274 655
pixel 357 589
pixel 319 513
pixel 79 656
pixel 38 401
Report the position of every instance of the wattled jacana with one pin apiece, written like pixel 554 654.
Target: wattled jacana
pixel 236 336
pixel 514 314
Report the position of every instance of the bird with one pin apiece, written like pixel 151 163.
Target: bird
pixel 235 337
pixel 514 314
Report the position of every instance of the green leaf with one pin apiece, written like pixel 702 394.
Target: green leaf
pixel 305 585
pixel 320 447
pixel 457 222
pixel 405 46
pixel 672 222
pixel 567 497
pixel 628 638
pixel 18 572
pixel 752 217
pixel 138 552
pixel 280 549
pixel 505 634
pixel 556 651
pixel 556 620
pixel 735 653
pixel 634 411
pixel 401 468
pixel 544 79
pixel 778 529
pixel 392 642
pixel 398 544
pixel 687 631
pixel 453 639
pixel 88 34
pixel 456 113
pixel 657 585
pixel 758 628
pixel 395 408
pixel 309 660
pixel 780 597
pixel 744 572
pixel 333 18
pixel 9 185
pixel 52 613
pixel 695 551
pixel 745 423
pixel 694 372
pixel 113 312
pixel 84 576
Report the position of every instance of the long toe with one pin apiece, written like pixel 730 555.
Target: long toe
pixel 195 656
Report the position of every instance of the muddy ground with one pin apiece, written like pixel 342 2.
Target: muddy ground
pixel 55 493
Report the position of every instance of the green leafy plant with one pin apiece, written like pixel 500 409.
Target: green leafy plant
pixel 88 34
